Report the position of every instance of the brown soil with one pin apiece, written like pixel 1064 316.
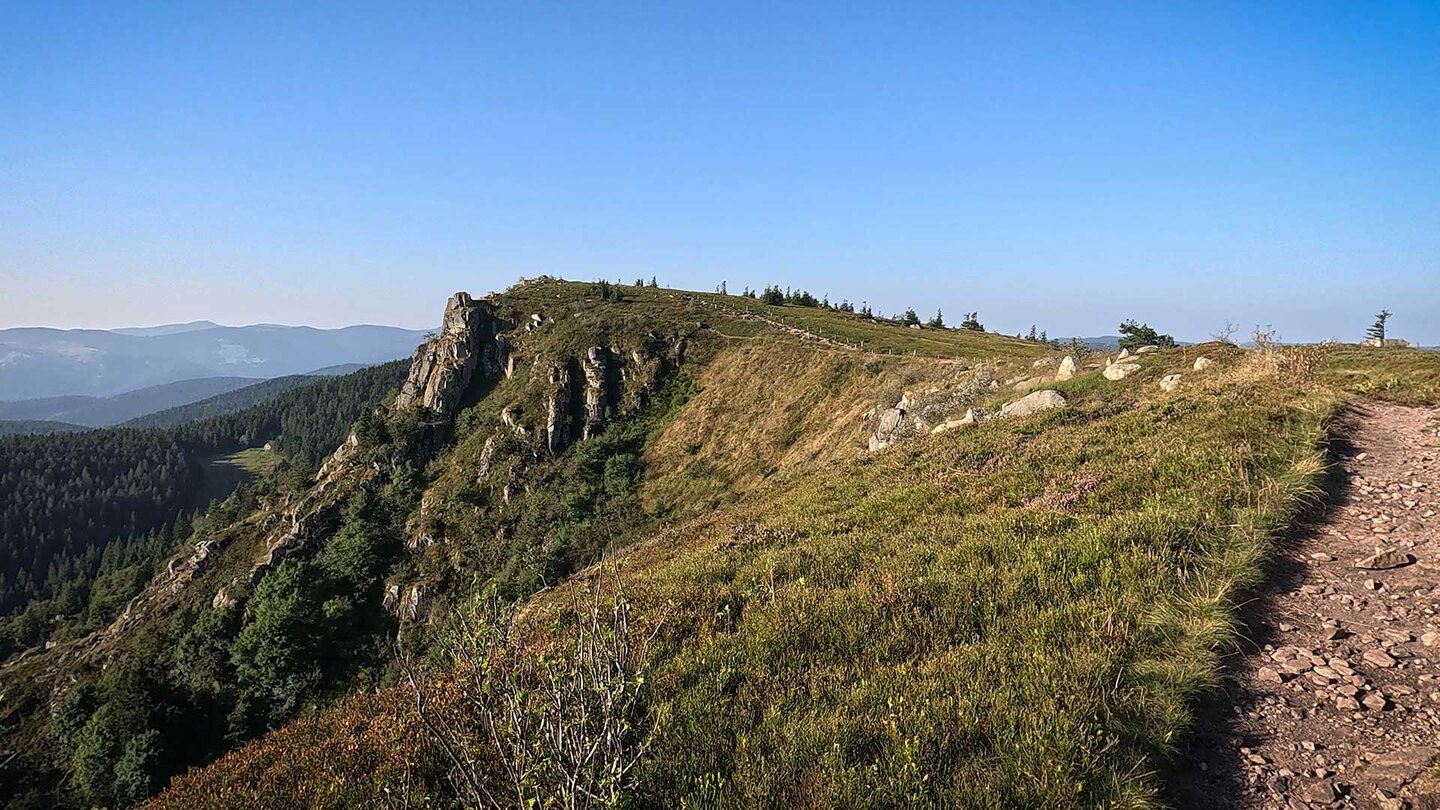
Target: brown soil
pixel 1334 697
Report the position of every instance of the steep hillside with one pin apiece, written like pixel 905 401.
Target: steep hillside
pixel 874 569
pixel 532 437
pixel 232 401
pixel 1010 614
pixel 85 516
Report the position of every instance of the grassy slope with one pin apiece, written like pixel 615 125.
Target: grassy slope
pixel 222 474
pixel 1012 615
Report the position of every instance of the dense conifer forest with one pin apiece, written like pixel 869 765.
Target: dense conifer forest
pixel 84 517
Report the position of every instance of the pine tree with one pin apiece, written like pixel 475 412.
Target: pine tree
pixel 1134 335
pixel 1377 329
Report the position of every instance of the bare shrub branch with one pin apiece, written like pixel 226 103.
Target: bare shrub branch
pixel 557 727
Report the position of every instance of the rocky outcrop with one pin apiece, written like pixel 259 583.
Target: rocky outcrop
pixel 892 427
pixel 469 343
pixel 1066 370
pixel 1033 403
pixel 599 368
pixel 557 409
pixel 410 602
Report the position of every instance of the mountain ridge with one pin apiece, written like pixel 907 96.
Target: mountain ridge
pixel 42 362
pixel 996 589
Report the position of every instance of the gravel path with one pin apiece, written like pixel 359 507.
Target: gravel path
pixel 1335 700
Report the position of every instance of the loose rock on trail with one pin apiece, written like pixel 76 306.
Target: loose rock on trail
pixel 1335 701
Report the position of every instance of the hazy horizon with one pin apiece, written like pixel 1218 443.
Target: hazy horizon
pixel 1047 165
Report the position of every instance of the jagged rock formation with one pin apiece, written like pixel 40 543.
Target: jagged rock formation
pixel 598 367
pixel 557 409
pixel 441 371
pixel 410 603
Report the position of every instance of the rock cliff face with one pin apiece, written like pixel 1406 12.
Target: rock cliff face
pixel 598 368
pixel 557 409
pixel 469 342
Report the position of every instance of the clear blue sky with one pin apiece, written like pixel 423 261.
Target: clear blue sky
pixel 1063 164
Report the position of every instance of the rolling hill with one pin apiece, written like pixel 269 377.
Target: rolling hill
pixel 852 564
pixel 35 426
pixel 102 411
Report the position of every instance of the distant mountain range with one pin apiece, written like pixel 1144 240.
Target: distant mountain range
pixel 100 411
pixel 44 363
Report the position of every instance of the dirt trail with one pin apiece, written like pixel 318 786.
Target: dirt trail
pixel 1335 701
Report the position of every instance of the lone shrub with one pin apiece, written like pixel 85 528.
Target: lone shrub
pixel 560 728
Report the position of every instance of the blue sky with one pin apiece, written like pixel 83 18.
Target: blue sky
pixel 1066 164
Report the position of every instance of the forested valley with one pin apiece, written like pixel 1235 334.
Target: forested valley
pixel 85 517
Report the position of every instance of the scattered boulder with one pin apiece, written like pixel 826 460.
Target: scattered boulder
pixel 1170 382
pixel 1066 370
pixel 892 427
pixel 1124 353
pixel 1384 559
pixel 1034 403
pixel 1117 371
pixel 1202 363
pixel 968 419
pixel 1147 349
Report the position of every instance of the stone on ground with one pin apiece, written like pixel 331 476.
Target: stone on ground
pixel 1034 403
pixel 1119 370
